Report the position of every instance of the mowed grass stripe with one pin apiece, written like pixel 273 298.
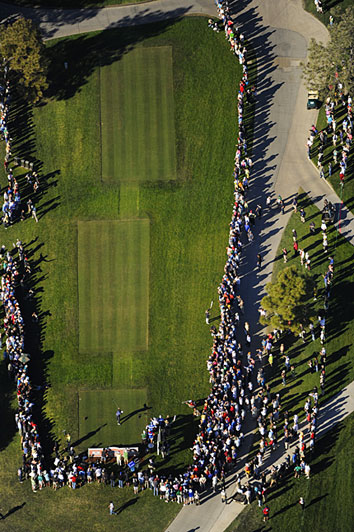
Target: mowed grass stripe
pixel 168 117
pixel 112 288
pixel 141 146
pixel 129 69
pixel 118 147
pixel 142 286
pixel 150 117
pixel 84 289
pixel 157 137
pixel 113 266
pixel 105 284
pixel 98 281
pixel 126 326
pixel 160 110
pixel 107 119
pixel 121 281
pixel 133 313
pixel 137 106
pixel 133 256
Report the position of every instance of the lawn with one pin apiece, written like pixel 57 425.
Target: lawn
pixel 97 422
pixel 332 466
pixel 188 220
pixel 137 116
pixel 113 279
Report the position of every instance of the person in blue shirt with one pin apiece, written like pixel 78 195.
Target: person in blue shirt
pixel 118 414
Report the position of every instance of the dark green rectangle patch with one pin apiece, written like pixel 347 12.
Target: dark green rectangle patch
pixel 97 420
pixel 113 280
pixel 137 116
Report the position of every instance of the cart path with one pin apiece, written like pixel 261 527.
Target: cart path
pixel 56 23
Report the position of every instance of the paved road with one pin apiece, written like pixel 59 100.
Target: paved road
pixel 63 22
pixel 279 31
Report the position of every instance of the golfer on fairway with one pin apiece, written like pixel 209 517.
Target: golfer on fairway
pixel 118 414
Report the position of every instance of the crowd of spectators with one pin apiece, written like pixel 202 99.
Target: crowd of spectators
pixel 332 145
pixel 217 445
pixel 234 374
pixel 13 207
pixel 16 274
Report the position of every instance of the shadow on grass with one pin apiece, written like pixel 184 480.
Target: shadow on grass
pixel 24 148
pixel 88 436
pixel 323 450
pixel 34 337
pixel 126 418
pixel 317 499
pixel 85 53
pixel 126 505
pixel 287 507
pixel 13 510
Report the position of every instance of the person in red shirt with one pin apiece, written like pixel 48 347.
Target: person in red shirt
pixel 266 513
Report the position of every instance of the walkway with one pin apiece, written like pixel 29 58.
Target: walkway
pixel 279 31
pixel 56 23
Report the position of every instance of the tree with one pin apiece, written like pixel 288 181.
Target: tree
pixel 333 63
pixel 23 51
pixel 287 304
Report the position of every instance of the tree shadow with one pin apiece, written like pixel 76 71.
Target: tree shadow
pixel 84 53
pixel 329 4
pixel 53 19
pixel 22 128
pixel 35 329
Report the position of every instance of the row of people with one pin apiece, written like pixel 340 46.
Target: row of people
pixel 218 442
pixel 12 207
pixel 15 278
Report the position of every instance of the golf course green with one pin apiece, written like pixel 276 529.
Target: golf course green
pixel 135 171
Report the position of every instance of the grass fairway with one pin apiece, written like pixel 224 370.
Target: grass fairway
pixel 97 421
pixel 189 221
pixel 113 271
pixel 137 116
